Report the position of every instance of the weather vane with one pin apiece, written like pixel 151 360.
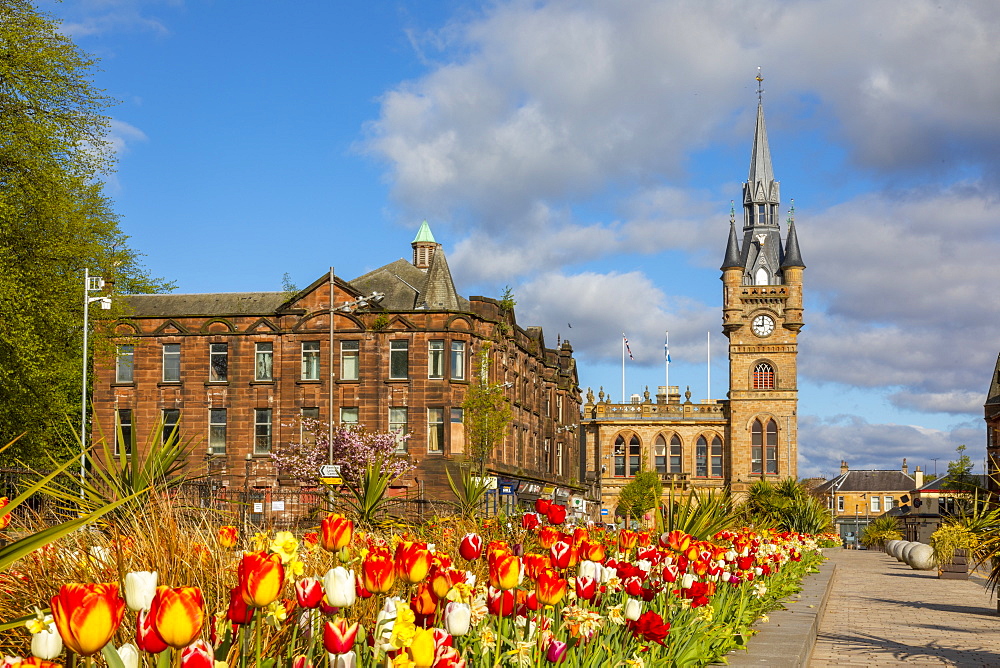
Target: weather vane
pixel 732 211
pixel 791 212
pixel 760 90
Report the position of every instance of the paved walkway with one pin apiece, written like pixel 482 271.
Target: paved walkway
pixel 882 613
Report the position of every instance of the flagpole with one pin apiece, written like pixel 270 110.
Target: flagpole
pixel 708 355
pixel 666 362
pixel 623 368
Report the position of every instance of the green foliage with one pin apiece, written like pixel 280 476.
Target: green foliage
pixel 369 502
pixel 785 505
pixel 702 514
pixel 487 412
pixel 130 475
pixel 950 537
pixel 380 322
pixel 880 531
pixel 960 472
pixel 54 221
pixel 640 495
pixel 470 492
pixel 507 302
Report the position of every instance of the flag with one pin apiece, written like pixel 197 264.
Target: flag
pixel 666 347
pixel 627 348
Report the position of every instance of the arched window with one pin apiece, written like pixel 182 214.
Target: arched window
pixel 761 277
pixel 701 458
pixel 764 447
pixel 716 457
pixel 634 454
pixel 619 456
pixel 660 454
pixel 675 454
pixel 763 376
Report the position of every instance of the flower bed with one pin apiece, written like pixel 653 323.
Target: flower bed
pixel 446 594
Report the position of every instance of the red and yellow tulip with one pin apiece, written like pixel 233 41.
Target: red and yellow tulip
pixel 413 561
pixel 339 635
pixel 505 570
pixel 87 615
pixel 378 573
pixel 178 613
pixel 550 588
pixel 261 576
pixel 226 537
pixel 335 532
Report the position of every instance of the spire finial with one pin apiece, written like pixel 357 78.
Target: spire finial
pixel 760 90
pixel 791 212
pixel 732 211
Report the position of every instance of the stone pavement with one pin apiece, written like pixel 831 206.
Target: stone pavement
pixel 880 612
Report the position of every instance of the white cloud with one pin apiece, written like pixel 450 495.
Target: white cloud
pixel 97 17
pixel 122 135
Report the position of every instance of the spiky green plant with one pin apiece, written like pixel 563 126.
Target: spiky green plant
pixel 702 514
pixel 470 492
pixel 880 531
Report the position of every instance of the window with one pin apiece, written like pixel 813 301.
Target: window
pixel 216 431
pixel 619 456
pixel 762 214
pixel 660 454
pixel 170 418
pixel 123 431
pixel 675 454
pixel 218 362
pixel 840 504
pixel 701 458
pixel 771 447
pixel 763 377
pixel 716 457
pixel 397 424
pixel 457 415
pixel 876 504
pixel 349 415
pixel 890 503
pixel 310 360
pixel 399 359
pixel 435 359
pixel 171 362
pixel 547 454
pixel 308 422
pixel 764 447
pixel 435 427
pixel 264 362
pixel 634 455
pixel 559 458
pixel 262 431
pixel 349 353
pixel 124 363
pixel 559 406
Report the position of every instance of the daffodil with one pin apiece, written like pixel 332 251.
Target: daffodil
pixel 285 545
pixel 404 628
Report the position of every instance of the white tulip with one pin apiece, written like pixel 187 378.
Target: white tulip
pixel 633 609
pixel 339 585
pixel 140 588
pixel 457 618
pixel 687 580
pixel 129 654
pixel 346 660
pixel 46 644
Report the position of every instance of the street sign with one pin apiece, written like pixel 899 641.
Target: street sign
pixel 329 471
pixel 331 481
pixel 604 511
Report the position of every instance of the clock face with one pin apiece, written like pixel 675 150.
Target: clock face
pixel 763 325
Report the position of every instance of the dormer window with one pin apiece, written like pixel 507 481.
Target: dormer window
pixel 762 214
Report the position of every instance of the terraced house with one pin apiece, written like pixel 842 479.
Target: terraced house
pixel 392 350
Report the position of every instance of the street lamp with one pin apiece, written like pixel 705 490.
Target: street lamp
pixel 90 284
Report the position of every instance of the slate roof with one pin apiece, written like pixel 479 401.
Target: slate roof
pixel 868 481
pixel 945 484
pixel 407 288
pixel 210 304
pixel 793 257
pixel 993 397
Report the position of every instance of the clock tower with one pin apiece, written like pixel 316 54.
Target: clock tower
pixel 762 316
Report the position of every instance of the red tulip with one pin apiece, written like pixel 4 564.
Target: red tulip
pixel 339 635
pixel 586 587
pixel 261 576
pixel 561 554
pixel 226 537
pixel 146 637
pixel 198 655
pixel 550 588
pixel 238 612
pixel 413 561
pixel 530 521
pixel 87 615
pixel 378 573
pixel 542 506
pixel 336 532
pixel 500 602
pixel 556 514
pixel 309 592
pixel 178 614
pixel 471 547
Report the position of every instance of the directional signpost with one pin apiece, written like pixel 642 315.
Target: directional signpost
pixel 329 474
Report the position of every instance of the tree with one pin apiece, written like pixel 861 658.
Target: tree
pixel 487 412
pixel 354 448
pixel 54 221
pixel 960 471
pixel 640 495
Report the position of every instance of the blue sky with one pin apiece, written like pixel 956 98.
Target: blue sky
pixel 585 153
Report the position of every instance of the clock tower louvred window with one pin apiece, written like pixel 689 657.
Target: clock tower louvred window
pixel 763 376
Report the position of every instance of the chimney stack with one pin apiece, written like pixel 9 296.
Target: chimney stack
pixel 918 477
pixel 843 467
pixel 906 469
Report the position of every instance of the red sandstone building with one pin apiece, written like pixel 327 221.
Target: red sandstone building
pixel 238 371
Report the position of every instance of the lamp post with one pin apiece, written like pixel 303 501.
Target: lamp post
pixel 90 284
